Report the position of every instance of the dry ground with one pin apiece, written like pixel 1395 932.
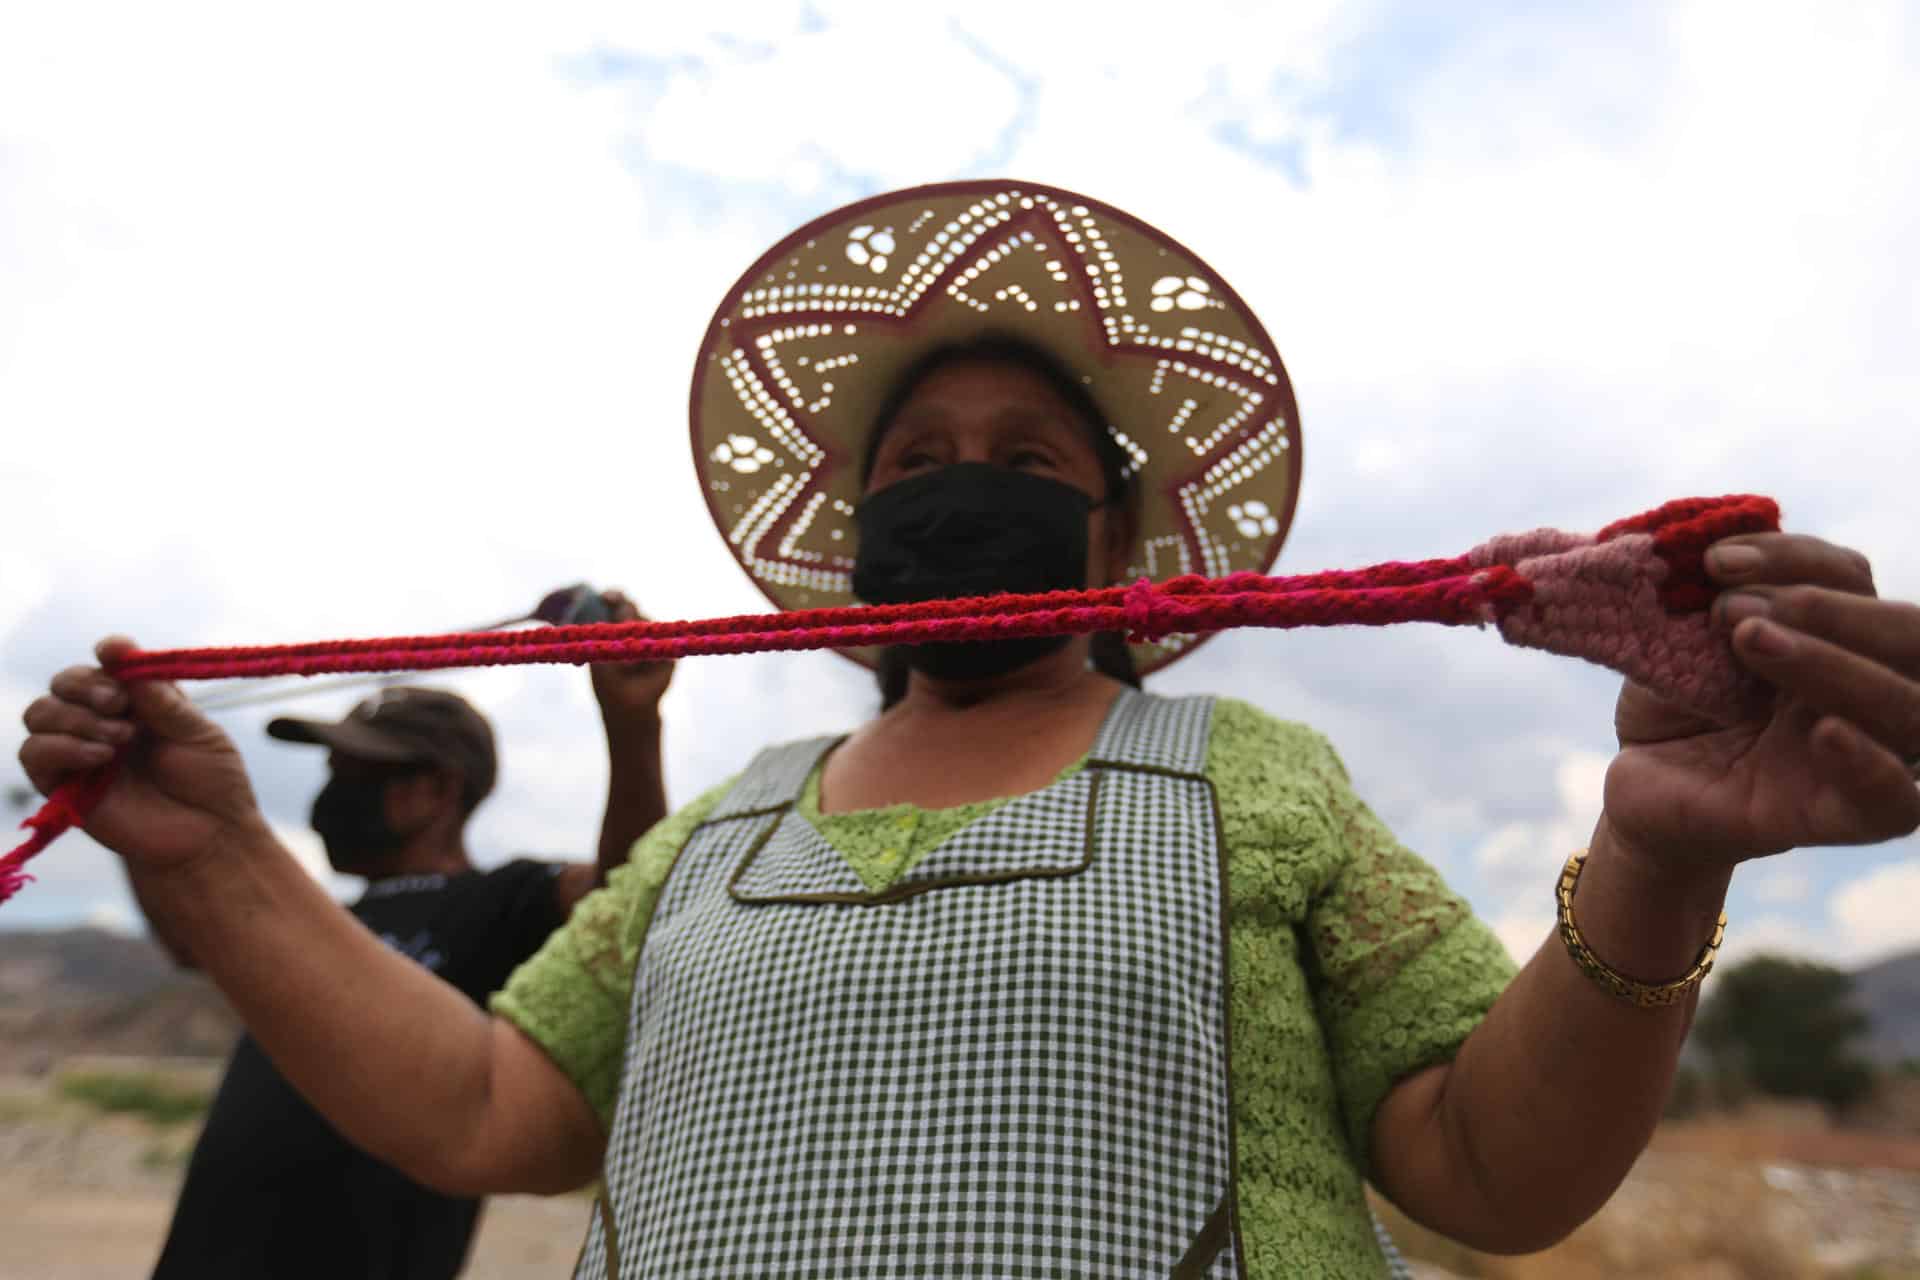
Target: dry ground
pixel 1722 1200
pixel 88 1198
pixel 89 1234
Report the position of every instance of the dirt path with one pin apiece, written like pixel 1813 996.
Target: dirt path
pixel 92 1234
pixel 89 1198
pixel 1690 1210
pixel 1831 1148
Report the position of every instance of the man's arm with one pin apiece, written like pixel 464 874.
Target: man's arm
pixel 636 800
pixel 629 695
pixel 636 787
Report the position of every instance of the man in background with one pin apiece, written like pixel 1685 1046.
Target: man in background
pixel 272 1189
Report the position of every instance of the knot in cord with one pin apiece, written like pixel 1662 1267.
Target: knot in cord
pixel 1138 610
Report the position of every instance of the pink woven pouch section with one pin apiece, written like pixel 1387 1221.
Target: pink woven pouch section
pixel 1636 598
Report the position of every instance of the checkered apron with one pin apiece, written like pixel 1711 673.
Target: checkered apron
pixel 1010 1063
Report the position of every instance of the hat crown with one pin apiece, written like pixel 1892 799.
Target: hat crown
pixel 402 703
pixel 445 728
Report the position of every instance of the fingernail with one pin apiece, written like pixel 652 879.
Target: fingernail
pixel 1769 641
pixel 1742 605
pixel 1733 561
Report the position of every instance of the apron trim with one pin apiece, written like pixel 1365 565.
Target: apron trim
pixel 1158 771
pixel 902 890
pixel 1214 1235
pixel 612 1250
pixel 1230 1206
pixel 736 816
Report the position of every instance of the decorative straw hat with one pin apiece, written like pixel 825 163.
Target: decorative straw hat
pixel 807 345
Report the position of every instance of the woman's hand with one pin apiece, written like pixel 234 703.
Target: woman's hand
pixel 180 791
pixel 1476 1147
pixel 1822 761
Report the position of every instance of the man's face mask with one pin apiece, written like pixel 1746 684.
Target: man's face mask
pixel 350 816
pixel 971 529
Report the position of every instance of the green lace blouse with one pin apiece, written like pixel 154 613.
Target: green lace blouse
pixel 1350 965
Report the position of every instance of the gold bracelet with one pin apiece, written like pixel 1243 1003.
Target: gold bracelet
pixel 1618 984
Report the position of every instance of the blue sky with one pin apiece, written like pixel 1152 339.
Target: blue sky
pixel 1526 266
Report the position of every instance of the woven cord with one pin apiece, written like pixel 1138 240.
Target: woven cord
pixel 1632 597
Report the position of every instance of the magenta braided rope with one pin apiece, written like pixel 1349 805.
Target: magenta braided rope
pixel 1633 597
pixel 1145 611
pixel 834 627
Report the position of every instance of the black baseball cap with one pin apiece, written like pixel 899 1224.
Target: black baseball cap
pixel 405 725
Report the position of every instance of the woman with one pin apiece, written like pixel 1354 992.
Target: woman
pixel 1033 974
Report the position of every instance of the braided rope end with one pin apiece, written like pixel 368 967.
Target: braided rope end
pixel 1683 530
pixel 44 826
pixel 64 809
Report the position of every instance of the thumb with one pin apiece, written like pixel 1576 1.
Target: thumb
pixel 157 705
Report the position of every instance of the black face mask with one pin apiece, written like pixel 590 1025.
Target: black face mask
pixel 350 815
pixel 971 529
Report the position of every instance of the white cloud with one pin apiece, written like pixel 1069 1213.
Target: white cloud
pixel 305 846
pixel 1873 916
pixel 1864 919
pixel 113 915
pixel 1523 931
pixel 1527 855
pixel 1780 935
pixel 727 120
pixel 28 581
pixel 1783 885
pixel 307 330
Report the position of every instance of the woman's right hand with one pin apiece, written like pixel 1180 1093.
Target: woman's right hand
pixel 181 791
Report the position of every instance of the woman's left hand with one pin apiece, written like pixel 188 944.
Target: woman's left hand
pixel 1823 761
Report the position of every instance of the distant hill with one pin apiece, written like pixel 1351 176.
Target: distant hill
pixel 68 991
pixel 1889 994
pixel 71 991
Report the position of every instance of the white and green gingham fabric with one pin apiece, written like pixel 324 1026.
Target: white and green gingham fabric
pixel 1009 1063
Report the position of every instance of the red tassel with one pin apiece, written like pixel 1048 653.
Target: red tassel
pixel 65 809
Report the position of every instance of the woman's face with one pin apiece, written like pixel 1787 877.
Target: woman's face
pixel 1005 416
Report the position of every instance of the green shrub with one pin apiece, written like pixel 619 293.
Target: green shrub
pixel 162 1157
pixel 159 1099
pixel 1787 1028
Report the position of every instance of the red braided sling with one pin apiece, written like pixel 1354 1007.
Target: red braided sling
pixel 1633 597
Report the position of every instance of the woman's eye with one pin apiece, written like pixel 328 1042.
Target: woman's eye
pixel 1025 458
pixel 913 460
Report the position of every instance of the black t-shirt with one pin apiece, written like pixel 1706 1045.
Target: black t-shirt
pixel 273 1191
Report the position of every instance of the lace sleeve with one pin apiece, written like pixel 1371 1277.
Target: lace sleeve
pixel 1402 971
